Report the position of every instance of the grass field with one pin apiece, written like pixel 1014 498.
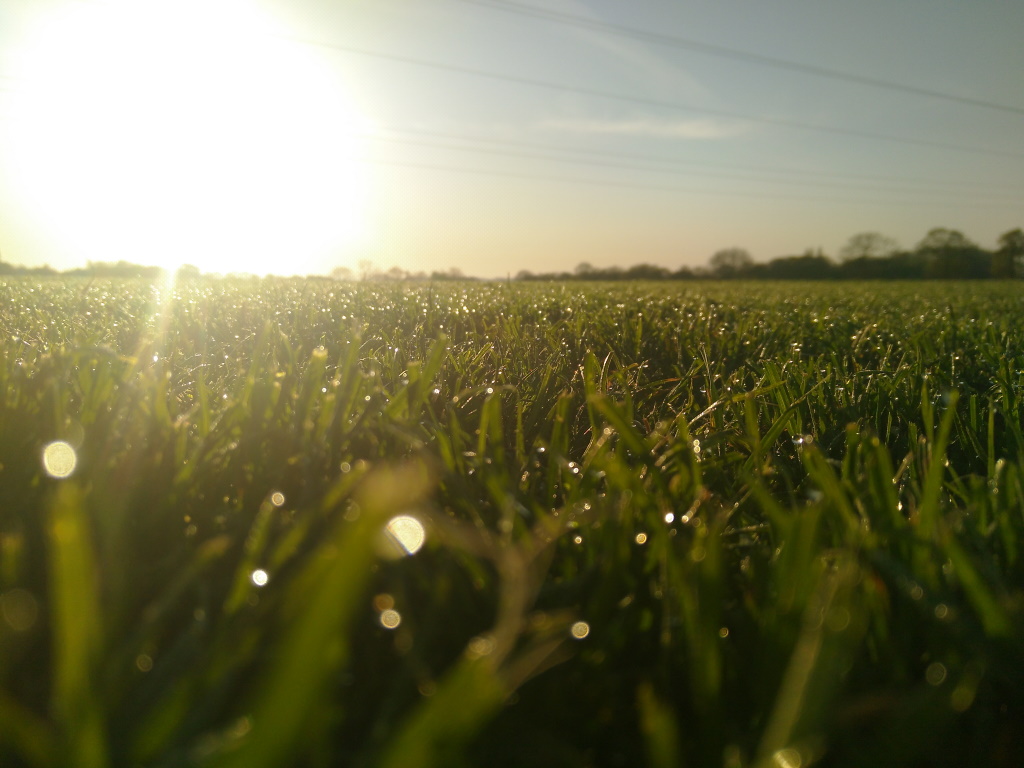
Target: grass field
pixel 719 524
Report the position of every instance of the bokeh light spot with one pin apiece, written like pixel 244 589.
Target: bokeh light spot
pixel 259 577
pixel 580 630
pixel 935 674
pixel 408 532
pixel 788 758
pixel 482 645
pixel 19 609
pixel 277 498
pixel 390 619
pixel 59 459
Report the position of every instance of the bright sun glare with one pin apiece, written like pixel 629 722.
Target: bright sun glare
pixel 166 132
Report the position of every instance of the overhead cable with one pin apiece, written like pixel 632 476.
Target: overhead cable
pixel 671 171
pixel 703 191
pixel 662 160
pixel 563 88
pixel 735 54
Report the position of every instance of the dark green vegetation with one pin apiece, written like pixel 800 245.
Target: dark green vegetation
pixel 942 254
pixel 792 516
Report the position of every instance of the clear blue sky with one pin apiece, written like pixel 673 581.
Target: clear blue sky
pixel 434 152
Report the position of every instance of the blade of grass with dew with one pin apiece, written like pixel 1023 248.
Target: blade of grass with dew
pixel 294 686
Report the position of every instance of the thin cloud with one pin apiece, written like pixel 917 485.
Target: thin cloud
pixel 672 129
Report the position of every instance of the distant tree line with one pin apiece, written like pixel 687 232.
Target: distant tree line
pixel 92 269
pixel 369 271
pixel 943 254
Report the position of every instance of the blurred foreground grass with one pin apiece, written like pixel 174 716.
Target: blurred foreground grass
pixel 711 525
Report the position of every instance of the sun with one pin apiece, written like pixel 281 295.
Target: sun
pixel 190 131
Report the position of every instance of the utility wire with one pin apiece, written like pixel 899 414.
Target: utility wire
pixel 636 162
pixel 702 191
pixel 725 52
pixel 662 160
pixel 548 85
pixel 672 172
pixel 657 164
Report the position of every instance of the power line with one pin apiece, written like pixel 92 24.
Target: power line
pixel 519 147
pixel 592 92
pixel 725 52
pixel 656 187
pixel 548 85
pixel 663 159
pixel 668 171
pixel 637 162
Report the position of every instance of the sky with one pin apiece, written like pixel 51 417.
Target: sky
pixel 493 136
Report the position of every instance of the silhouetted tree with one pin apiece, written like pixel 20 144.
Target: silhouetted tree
pixel 948 253
pixel 811 265
pixel 1008 260
pixel 868 245
pixel 367 269
pixel 646 272
pixel 730 261
pixel 341 273
pixel 942 239
pixel 897 266
pixel 453 273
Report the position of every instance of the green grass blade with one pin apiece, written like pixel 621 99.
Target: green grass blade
pixel 77 704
